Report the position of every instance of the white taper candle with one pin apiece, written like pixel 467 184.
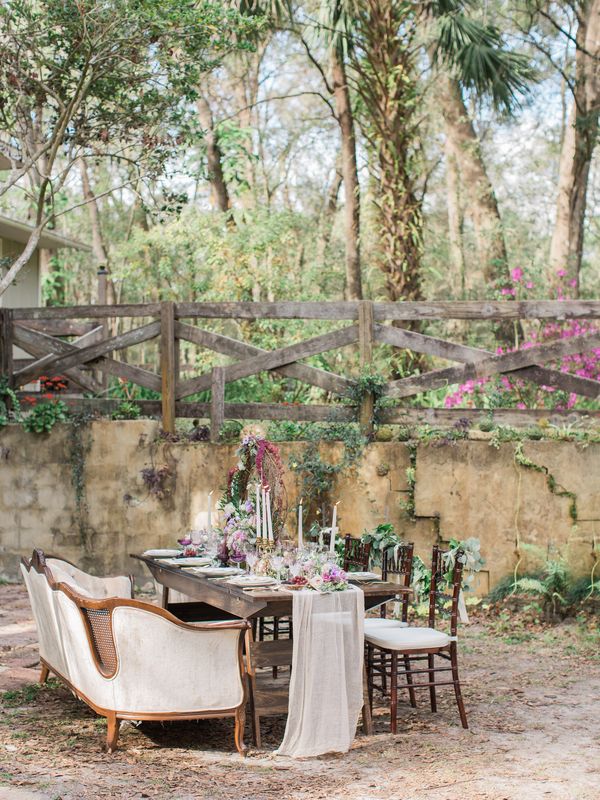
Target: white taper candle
pixel 257 512
pixel 300 543
pixel 270 536
pixel 333 529
pixel 210 494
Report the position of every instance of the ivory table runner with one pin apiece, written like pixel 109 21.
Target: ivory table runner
pixel 326 686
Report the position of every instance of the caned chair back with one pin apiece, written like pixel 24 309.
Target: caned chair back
pixel 441 590
pixel 356 555
pixel 398 561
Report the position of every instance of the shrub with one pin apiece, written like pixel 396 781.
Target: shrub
pixel 43 417
pixel 126 410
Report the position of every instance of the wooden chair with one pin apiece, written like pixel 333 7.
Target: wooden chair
pixel 267 697
pixel 356 555
pixel 396 563
pixel 414 644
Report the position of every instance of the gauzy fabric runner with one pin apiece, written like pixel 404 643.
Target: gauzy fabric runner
pixel 326 685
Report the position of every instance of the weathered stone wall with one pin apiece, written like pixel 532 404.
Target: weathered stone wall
pixel 464 489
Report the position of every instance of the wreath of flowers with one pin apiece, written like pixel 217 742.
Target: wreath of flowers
pixel 258 461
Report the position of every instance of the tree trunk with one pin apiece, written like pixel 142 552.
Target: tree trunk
pixel 98 243
pixel 386 82
pixel 566 247
pixel 455 219
pixel 462 143
pixel 328 213
pixel 345 118
pixel 219 194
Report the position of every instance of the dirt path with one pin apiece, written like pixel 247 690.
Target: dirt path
pixel 532 698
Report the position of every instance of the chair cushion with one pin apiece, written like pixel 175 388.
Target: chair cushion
pixel 375 624
pixel 407 638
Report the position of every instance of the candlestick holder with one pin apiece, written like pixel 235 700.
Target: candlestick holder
pixel 265 545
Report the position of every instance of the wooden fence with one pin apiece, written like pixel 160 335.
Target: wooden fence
pixel 76 341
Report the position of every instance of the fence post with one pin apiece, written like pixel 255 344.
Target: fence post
pixel 217 402
pixel 102 274
pixel 6 344
pixel 167 364
pixel 365 343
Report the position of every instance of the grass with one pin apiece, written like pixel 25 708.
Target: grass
pixel 28 694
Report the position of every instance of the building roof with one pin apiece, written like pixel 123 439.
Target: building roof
pixel 20 232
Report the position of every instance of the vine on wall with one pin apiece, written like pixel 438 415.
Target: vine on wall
pixel 80 444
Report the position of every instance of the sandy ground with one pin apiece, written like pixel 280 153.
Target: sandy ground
pixel 532 696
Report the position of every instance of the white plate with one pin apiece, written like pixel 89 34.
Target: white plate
pixel 218 572
pixel 161 553
pixel 363 576
pixel 253 580
pixel 190 561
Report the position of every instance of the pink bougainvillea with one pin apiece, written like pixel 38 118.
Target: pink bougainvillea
pixel 517 393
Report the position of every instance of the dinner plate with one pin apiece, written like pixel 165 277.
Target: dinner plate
pixel 253 580
pixel 191 561
pixel 218 572
pixel 363 576
pixel 161 553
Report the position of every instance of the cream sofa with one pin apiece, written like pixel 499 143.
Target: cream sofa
pixel 131 660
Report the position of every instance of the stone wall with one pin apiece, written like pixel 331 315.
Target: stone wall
pixel 464 489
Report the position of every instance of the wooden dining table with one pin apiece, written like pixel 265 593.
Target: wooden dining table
pixel 216 599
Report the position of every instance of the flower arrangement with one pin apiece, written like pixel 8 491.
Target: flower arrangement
pixel 239 530
pixel 331 579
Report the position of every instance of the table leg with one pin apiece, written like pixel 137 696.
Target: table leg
pixel 366 709
pixel 165 597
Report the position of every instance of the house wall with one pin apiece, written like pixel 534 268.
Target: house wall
pixel 464 489
pixel 25 291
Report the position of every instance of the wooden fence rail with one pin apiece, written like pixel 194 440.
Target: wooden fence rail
pixel 60 341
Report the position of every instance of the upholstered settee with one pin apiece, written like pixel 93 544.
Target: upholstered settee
pixel 131 660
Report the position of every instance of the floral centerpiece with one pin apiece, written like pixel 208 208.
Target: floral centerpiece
pixel 317 570
pixel 331 579
pixel 239 531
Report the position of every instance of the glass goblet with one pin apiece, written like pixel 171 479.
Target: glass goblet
pixel 277 563
pixel 251 559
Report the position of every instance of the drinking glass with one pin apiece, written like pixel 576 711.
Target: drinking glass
pixel 251 559
pixel 277 562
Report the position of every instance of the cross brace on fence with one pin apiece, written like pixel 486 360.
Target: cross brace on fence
pixel 58 340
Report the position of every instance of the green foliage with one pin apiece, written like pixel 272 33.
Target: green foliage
pixel 9 403
pixel 129 391
pixel 317 475
pixel 28 694
pixel 230 431
pixel 583 589
pixel 408 505
pixel 382 539
pixel 551 586
pixel 421 579
pixel 44 416
pixel 523 461
pixel 99 88
pixel 367 383
pixel 126 410
pixel 476 53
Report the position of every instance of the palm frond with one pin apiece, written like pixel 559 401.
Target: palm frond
pixel 480 60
